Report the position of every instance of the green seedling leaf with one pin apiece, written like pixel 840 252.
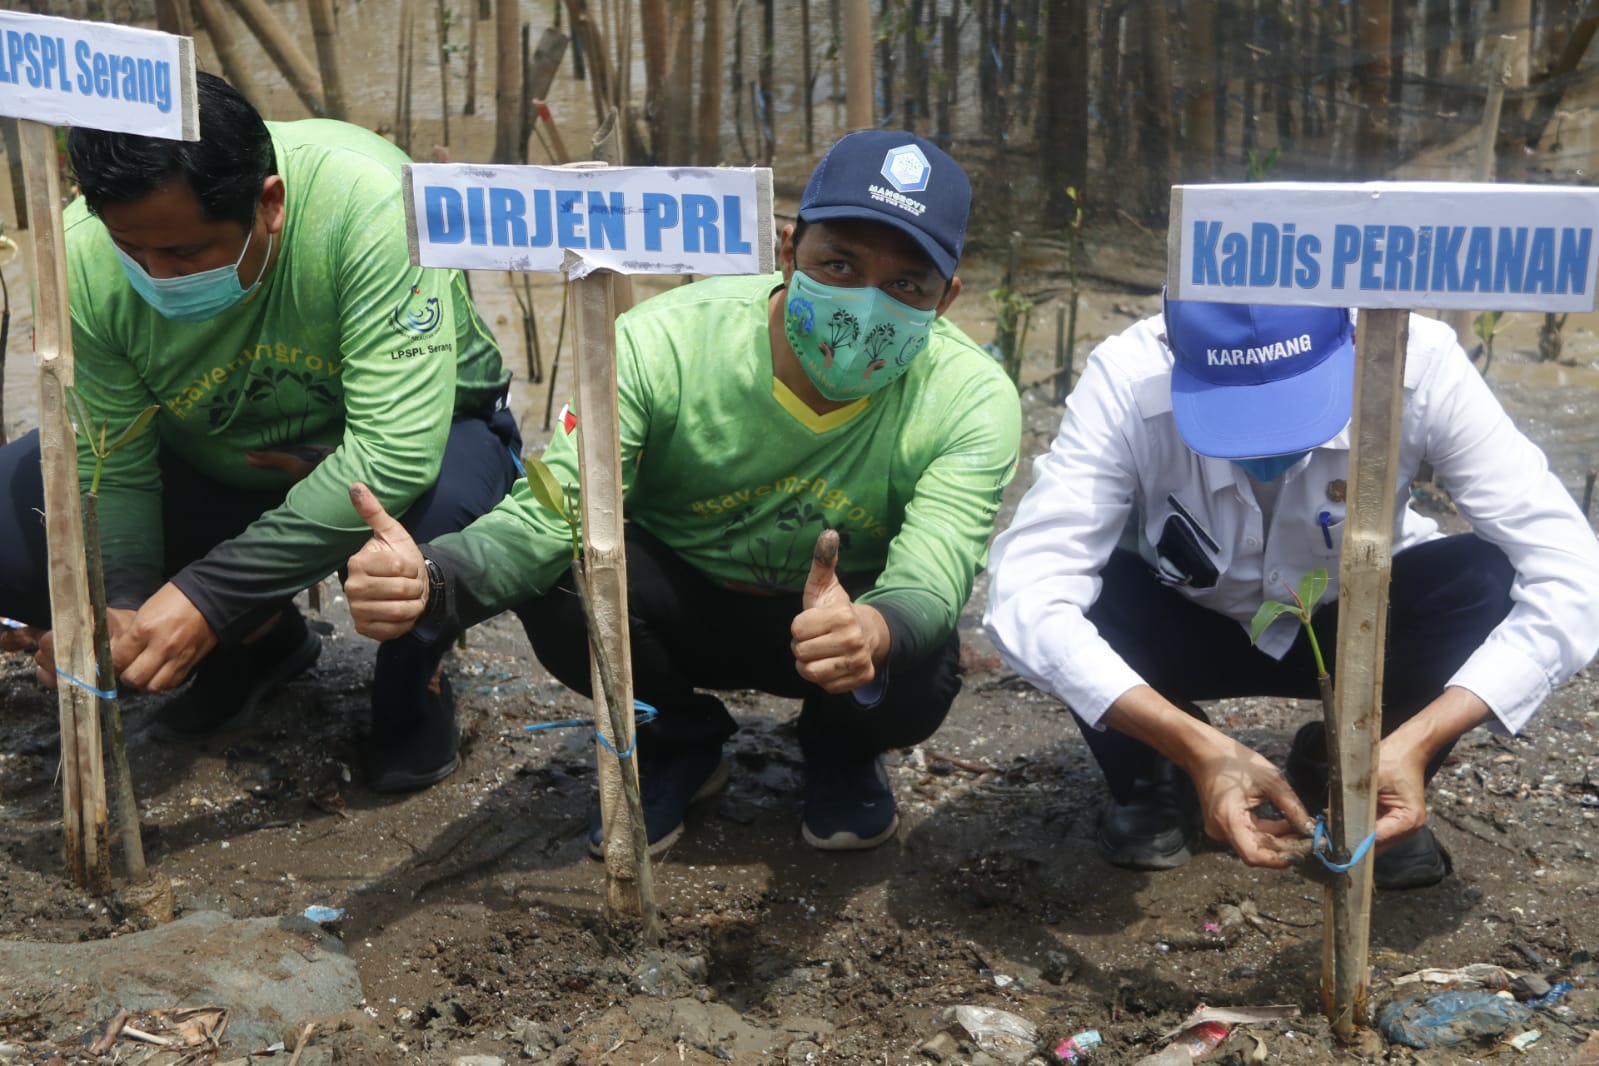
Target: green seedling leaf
pixel 1269 612
pixel 78 412
pixel 136 427
pixel 1311 587
pixel 546 489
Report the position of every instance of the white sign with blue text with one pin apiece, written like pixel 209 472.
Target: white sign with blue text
pixel 63 72
pixel 632 220
pixel 1386 244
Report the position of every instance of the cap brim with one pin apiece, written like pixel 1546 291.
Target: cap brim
pixel 1272 418
pixel 943 262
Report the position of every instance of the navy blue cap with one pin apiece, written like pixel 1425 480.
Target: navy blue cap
pixel 1251 380
pixel 897 178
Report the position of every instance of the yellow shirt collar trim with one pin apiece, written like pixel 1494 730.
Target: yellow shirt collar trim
pixel 810 419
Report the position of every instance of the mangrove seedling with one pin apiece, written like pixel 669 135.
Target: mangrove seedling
pixel 96 436
pixel 1311 588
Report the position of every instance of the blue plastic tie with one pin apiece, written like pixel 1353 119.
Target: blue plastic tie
pixel 642 713
pixel 102 693
pixel 1321 848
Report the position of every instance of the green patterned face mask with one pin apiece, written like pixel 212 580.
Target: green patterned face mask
pixel 851 342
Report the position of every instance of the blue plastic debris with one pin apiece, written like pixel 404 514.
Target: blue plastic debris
pixel 1556 993
pixel 320 914
pixel 1444 1019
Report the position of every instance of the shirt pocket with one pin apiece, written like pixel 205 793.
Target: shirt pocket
pixel 1327 536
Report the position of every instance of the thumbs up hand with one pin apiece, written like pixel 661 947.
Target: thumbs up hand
pixel 387 586
pixel 837 643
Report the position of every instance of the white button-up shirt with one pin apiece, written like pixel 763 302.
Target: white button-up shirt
pixel 1119 463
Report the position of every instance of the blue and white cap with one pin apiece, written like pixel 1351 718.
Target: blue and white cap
pixel 1251 380
pixel 898 178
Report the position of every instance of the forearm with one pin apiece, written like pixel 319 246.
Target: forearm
pixel 1147 716
pixel 1446 719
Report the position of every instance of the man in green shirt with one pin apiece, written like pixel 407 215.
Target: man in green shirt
pixel 256 287
pixel 812 463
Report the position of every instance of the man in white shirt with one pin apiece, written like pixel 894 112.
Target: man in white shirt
pixel 1216 436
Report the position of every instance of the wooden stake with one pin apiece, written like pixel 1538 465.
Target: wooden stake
pixel 507 83
pixel 441 20
pixel 605 563
pixel 214 21
pixel 709 138
pixel 858 64
pixel 1362 628
pixel 85 821
pixel 279 44
pixel 325 29
pixel 402 92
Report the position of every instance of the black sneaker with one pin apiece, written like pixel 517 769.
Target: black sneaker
pixel 1156 829
pixel 671 782
pixel 1415 862
pixel 230 683
pixel 849 806
pixel 418 752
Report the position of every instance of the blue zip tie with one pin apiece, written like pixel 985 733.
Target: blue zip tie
pixel 642 713
pixel 1321 847
pixel 102 693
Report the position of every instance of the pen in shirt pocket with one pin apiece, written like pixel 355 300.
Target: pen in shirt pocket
pixel 1324 520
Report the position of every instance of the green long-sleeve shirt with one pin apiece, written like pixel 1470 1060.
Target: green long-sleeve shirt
pixel 730 470
pixel 346 346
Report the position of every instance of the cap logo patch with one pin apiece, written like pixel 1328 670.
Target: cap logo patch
pixel 1269 353
pixel 906 169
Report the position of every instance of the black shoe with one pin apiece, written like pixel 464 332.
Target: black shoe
pixel 419 751
pixel 849 805
pixel 1306 769
pixel 1415 862
pixel 1155 830
pixel 671 781
pixel 230 682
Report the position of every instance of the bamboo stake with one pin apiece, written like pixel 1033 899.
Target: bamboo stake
pixel 85 821
pixel 507 84
pixel 709 138
pixel 325 28
pixel 110 709
pixel 278 44
pixel 214 21
pixel 858 64
pixel 469 105
pixel 442 21
pixel 605 573
pixel 402 92
pixel 1362 629
pixel 808 75
pixel 172 16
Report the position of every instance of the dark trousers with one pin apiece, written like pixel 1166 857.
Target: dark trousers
pixel 1444 598
pixel 199 513
pixel 689 633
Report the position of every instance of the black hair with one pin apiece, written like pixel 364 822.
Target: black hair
pixel 225 167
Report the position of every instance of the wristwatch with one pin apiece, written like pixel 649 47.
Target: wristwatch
pixel 434 612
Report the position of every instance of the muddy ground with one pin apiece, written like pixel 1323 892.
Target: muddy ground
pixel 475 913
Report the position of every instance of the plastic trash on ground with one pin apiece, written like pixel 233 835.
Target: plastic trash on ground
pixel 1075 1047
pixel 1445 1019
pixel 320 914
pixel 1000 1033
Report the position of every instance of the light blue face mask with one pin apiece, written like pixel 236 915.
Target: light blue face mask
pixel 852 341
pixel 194 297
pixel 1269 467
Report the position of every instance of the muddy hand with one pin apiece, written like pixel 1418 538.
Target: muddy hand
pixel 832 647
pixel 387 587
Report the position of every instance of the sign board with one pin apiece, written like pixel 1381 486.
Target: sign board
pixel 1386 244
pixel 632 220
pixel 64 72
